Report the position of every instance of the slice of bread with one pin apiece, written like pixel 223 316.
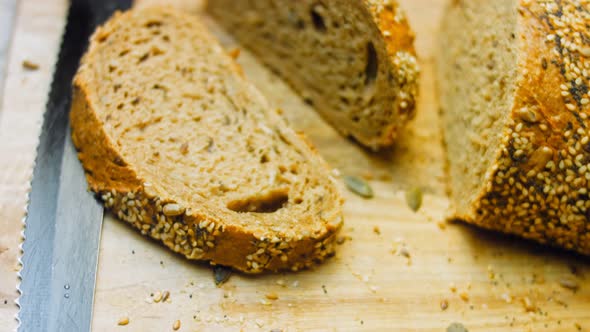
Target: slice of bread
pixel 178 144
pixel 513 83
pixel 353 60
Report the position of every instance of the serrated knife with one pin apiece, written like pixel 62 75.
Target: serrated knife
pixel 64 220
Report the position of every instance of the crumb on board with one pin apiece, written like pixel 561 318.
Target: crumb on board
pixel 376 230
pixel 464 296
pixel 176 325
pixel 30 65
pixel 123 321
pixel 165 296
pixel 444 304
pixel 158 297
pixel 453 287
pixel 272 296
pixel 528 304
pixel 569 282
pixel 234 53
pixel 506 297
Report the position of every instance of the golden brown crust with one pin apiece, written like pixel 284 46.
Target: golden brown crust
pixel 399 43
pixel 538 187
pixel 187 230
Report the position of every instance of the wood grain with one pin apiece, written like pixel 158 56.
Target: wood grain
pixel 367 286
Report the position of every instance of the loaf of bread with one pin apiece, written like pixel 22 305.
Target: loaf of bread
pixel 179 145
pixel 513 83
pixel 353 60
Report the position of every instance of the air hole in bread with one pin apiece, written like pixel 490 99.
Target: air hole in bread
pixel 268 202
pixel 153 23
pixel 372 67
pixel 317 19
pixel 143 58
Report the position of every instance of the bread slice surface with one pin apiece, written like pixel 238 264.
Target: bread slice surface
pixel 353 60
pixel 178 144
pixel 513 83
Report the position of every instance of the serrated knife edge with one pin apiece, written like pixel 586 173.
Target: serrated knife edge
pixel 39 130
pixel 63 204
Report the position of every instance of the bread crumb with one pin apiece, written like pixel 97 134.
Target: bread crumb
pixel 165 296
pixel 376 230
pixel 569 283
pixel 30 65
pixel 336 172
pixel 234 53
pixel 464 296
pixel 491 273
pixel 176 325
pixel 158 297
pixel 123 321
pixel 272 296
pixel 452 287
pixel 528 305
pixel 444 304
pixel 259 322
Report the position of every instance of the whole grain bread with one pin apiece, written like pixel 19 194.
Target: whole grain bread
pixel 513 83
pixel 179 145
pixel 353 60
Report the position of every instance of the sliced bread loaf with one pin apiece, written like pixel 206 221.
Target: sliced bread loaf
pixel 353 60
pixel 513 83
pixel 178 144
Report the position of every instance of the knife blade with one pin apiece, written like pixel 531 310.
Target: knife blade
pixel 64 220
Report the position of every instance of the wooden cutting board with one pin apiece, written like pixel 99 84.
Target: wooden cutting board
pixel 489 282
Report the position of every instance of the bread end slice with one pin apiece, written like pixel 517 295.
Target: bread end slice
pixel 354 61
pixel 176 143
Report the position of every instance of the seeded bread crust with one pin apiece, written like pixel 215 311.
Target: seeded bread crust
pixel 191 231
pixel 399 43
pixel 395 48
pixel 538 185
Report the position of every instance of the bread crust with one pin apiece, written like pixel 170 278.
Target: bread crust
pixel 398 38
pixel 187 230
pixel 538 185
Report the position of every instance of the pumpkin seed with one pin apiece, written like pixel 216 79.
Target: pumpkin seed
pixel 221 274
pixel 358 186
pixel 457 327
pixel 414 198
